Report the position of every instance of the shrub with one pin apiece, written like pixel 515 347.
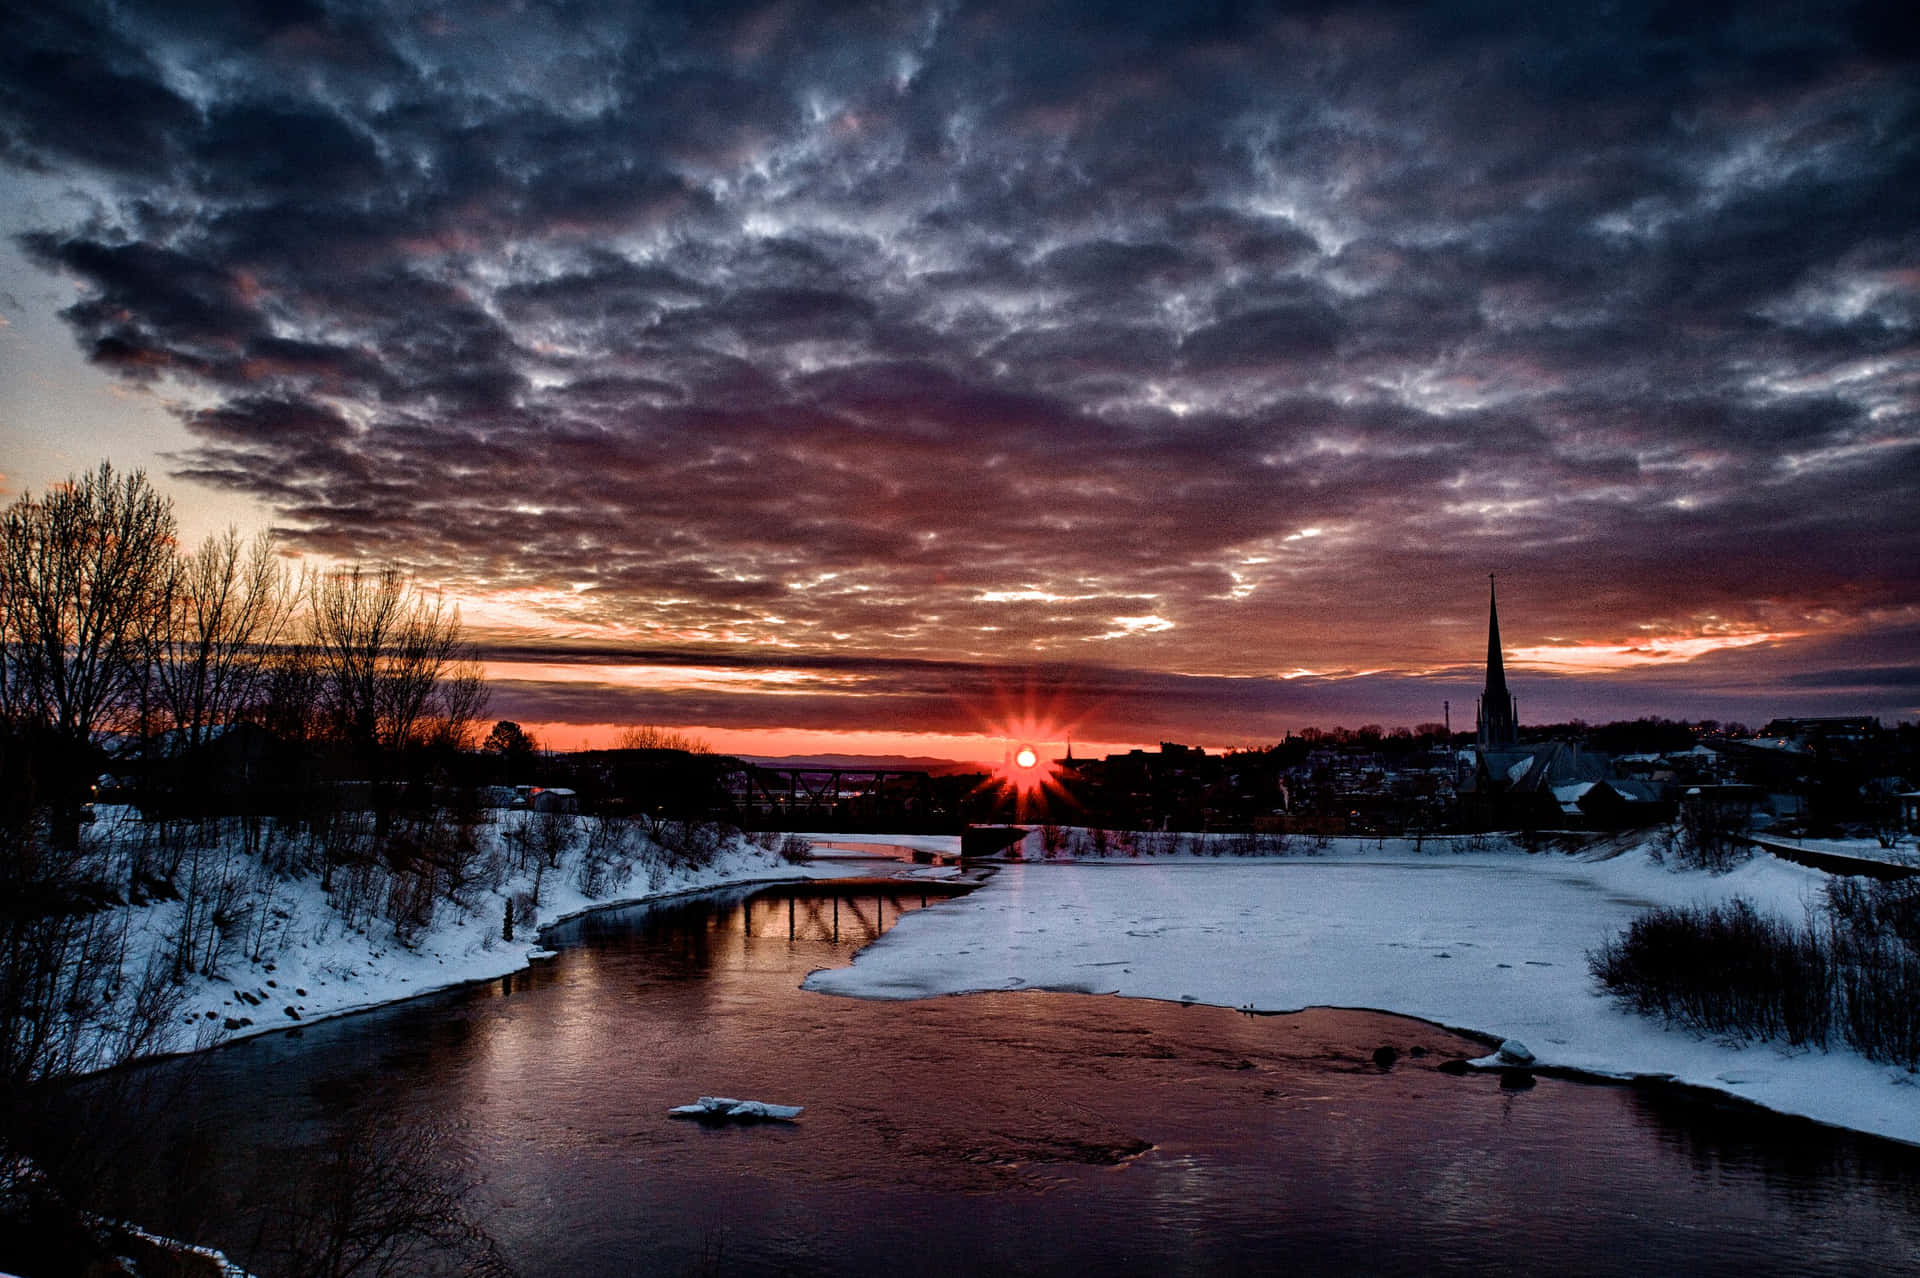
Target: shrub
pixel 1272 844
pixel 1708 839
pixel 1875 934
pixel 1879 995
pixel 1723 968
pixel 692 843
pixel 1865 908
pixel 1728 969
pixel 608 856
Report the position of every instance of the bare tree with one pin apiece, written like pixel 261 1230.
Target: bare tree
pixel 83 572
pixel 289 694
pixel 381 650
pixel 228 604
pixel 645 736
pixel 457 706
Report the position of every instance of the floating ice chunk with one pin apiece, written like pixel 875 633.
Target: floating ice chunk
pixel 534 956
pixel 725 1109
pixel 706 1105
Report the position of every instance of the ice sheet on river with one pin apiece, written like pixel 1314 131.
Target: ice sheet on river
pixel 1492 942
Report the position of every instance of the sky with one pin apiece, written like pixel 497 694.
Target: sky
pixel 912 377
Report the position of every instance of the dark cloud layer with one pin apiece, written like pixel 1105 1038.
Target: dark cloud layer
pixel 1221 341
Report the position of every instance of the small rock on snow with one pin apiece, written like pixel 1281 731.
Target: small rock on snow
pixel 1514 1052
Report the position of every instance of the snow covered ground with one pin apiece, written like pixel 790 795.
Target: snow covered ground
pixel 1903 852
pixel 1494 942
pixel 315 966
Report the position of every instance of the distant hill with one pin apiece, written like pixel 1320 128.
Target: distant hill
pixel 858 762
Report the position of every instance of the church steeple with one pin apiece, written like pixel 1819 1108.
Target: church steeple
pixel 1496 664
pixel 1499 725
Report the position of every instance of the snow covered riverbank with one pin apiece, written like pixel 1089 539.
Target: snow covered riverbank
pixel 1471 935
pixel 302 960
pixel 1493 942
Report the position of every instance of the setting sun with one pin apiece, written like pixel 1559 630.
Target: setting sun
pixel 1026 758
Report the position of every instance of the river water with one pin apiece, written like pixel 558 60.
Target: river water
pixel 1007 1133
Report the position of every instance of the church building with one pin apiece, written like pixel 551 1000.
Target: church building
pixel 1544 785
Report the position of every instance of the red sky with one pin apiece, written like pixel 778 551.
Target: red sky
pixel 779 368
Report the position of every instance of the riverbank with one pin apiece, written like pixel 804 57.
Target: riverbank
pixel 1490 941
pixel 998 1123
pixel 314 964
pixel 1473 935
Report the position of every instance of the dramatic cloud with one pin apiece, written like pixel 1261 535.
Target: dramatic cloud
pixel 1181 346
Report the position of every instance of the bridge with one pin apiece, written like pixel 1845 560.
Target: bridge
pixel 826 798
pixel 811 910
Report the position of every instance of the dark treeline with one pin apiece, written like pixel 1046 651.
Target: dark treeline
pixel 122 653
pixel 1650 734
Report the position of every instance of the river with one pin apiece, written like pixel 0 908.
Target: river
pixel 1008 1133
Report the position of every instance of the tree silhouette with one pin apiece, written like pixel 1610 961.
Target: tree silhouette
pixel 509 740
pixel 83 576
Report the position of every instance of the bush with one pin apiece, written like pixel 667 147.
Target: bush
pixel 1707 838
pixel 1879 995
pixel 1723 968
pixel 1273 844
pixel 692 843
pixel 1729 969
pixel 609 855
pixel 1876 940
pixel 1863 908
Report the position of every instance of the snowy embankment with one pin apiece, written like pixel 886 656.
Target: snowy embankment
pixel 301 960
pixel 1490 942
pixel 1903 853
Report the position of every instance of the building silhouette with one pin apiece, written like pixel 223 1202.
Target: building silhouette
pixel 1499 718
pixel 1544 784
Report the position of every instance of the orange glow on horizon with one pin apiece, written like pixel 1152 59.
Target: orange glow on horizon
pixel 985 752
